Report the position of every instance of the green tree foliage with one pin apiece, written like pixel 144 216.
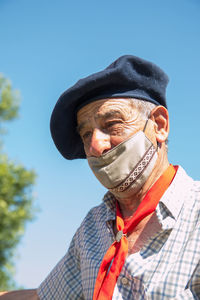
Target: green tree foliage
pixel 16 199
pixel 9 100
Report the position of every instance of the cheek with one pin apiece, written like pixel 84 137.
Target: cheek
pixel 116 140
pixel 127 133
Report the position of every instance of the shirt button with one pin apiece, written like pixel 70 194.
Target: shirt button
pixel 124 281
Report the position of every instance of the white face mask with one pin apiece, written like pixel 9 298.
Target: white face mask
pixel 125 168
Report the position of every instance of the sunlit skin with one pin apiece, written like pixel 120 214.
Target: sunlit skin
pixel 102 125
pixel 105 123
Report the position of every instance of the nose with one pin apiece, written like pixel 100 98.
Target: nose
pixel 99 144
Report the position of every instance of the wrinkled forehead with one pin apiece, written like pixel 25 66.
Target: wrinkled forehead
pixel 105 108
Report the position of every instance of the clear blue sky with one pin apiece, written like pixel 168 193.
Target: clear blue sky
pixel 45 47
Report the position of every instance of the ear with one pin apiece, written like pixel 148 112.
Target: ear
pixel 161 118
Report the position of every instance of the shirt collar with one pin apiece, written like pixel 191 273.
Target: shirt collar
pixel 173 198
pixel 170 204
pixel 110 203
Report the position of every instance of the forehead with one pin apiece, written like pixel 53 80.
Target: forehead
pixel 105 108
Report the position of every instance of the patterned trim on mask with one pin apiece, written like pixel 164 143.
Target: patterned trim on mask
pixel 137 171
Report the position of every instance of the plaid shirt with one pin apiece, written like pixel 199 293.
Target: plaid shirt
pixel 166 267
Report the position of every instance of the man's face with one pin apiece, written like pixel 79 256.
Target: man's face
pixel 104 124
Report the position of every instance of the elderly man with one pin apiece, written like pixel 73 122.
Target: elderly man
pixel 143 241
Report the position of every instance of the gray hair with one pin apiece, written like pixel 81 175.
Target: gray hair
pixel 145 108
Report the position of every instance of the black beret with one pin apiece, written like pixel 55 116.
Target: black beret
pixel 128 76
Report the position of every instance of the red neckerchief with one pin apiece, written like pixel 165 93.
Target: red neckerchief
pixel 116 254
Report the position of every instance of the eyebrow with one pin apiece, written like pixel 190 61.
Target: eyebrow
pixel 108 114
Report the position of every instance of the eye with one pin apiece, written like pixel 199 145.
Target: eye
pixel 110 124
pixel 114 125
pixel 86 135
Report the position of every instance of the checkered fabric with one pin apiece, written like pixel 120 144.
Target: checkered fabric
pixel 166 267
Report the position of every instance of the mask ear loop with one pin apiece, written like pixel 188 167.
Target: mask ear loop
pixel 145 126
